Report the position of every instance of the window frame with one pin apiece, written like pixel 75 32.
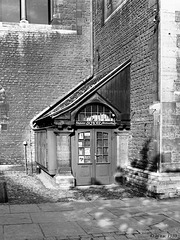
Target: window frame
pixel 23 13
pixel 99 114
pixel 114 8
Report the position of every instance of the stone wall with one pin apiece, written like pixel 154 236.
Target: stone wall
pixel 38 65
pixel 130 33
pixel 159 185
pixel 170 86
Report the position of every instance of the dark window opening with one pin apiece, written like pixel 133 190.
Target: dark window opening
pixel 3 127
pixel 9 10
pixel 36 12
pixel 110 6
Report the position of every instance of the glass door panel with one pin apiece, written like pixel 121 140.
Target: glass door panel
pixel 84 147
pixel 93 149
pixel 102 149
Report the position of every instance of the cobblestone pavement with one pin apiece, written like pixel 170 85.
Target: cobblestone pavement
pixel 135 218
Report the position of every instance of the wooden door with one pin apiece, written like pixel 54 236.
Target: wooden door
pixel 94 156
pixel 103 161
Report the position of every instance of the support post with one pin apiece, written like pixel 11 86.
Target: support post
pixel 25 156
pixel 3 192
pixel 23 12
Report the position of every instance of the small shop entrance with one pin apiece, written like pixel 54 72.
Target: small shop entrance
pixel 94 156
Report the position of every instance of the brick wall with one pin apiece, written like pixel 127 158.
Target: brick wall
pixel 131 33
pixel 170 82
pixel 38 65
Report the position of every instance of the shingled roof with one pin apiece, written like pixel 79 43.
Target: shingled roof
pixel 81 92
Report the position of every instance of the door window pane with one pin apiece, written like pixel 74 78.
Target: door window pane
pixel 105 135
pixel 80 135
pixel 102 147
pixel 37 11
pixel 80 144
pixel 99 134
pixel 99 159
pixel 87 135
pixel 105 158
pixel 105 142
pixel 84 144
pixel 9 10
pixel 87 142
pixel 105 151
pixel 81 151
pixel 87 159
pixel 99 143
pixel 87 151
pixel 99 151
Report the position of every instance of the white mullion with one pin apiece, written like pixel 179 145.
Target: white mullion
pixel 23 11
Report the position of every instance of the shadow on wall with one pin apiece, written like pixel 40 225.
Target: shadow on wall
pixel 135 178
pixel 151 164
pixel 4 108
pixel 145 163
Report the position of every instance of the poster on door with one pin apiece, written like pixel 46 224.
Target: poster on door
pixel 87 151
pixel 81 159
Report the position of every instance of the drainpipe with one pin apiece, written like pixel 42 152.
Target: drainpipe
pixel 158 52
pixel 25 156
pixel 159 140
pixel 92 38
pixel 159 123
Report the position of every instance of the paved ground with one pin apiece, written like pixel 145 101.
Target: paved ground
pixel 136 218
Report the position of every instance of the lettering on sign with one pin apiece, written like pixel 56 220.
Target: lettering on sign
pixel 91 123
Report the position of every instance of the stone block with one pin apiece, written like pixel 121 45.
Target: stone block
pixel 166 157
pixel 22 231
pixel 64 181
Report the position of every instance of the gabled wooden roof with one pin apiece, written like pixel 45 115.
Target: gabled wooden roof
pixel 114 87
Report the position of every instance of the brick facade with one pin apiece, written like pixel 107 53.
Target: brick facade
pixel 39 64
pixel 131 34
pixel 147 33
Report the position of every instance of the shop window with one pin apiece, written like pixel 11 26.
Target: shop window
pixel 38 12
pixel 84 147
pixel 110 6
